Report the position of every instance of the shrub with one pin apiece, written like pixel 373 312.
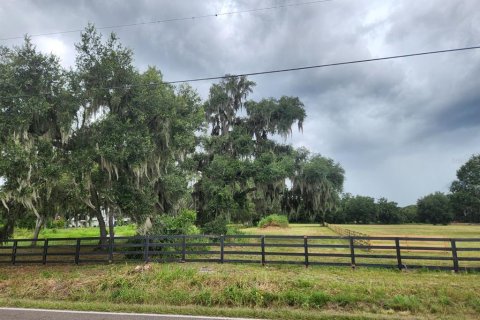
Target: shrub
pixel 216 227
pixel 274 220
pixel 56 223
pixel 183 223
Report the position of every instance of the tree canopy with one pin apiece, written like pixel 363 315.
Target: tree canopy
pixel 466 191
pixel 106 140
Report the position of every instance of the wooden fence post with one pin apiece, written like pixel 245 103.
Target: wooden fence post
pixel 184 248
pixel 45 248
pixel 305 245
pixel 146 247
pixel 454 255
pixel 399 254
pixel 262 244
pixel 222 248
pixel 352 251
pixel 110 249
pixel 77 252
pixel 14 252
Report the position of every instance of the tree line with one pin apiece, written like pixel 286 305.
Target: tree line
pixel 106 140
pixel 462 204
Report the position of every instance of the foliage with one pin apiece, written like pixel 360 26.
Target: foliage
pixel 183 223
pixel 409 214
pixel 56 223
pixel 274 220
pixel 216 227
pixel 98 138
pixel 316 184
pixel 360 209
pixel 465 190
pixel 388 212
pixel 435 208
pixel 243 171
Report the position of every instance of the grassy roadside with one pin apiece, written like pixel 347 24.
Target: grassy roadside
pixel 256 313
pixel 275 292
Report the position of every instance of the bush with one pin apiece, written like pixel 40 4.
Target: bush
pixel 274 220
pixel 183 223
pixel 56 223
pixel 216 227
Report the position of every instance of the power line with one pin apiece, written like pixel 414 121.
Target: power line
pixel 212 15
pixel 277 70
pixel 328 65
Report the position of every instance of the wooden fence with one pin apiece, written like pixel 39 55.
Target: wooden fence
pixel 350 233
pixel 396 252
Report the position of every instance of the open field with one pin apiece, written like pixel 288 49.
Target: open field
pixel 418 230
pixel 440 249
pixel 293 230
pixel 280 292
pixel 280 246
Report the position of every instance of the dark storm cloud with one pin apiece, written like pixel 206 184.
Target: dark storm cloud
pixel 400 128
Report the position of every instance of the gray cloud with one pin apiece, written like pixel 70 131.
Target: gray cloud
pixel 400 128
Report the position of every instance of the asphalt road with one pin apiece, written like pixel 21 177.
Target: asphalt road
pixel 40 314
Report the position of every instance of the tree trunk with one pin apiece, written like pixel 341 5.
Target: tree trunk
pixel 38 225
pixel 101 222
pixel 6 231
pixel 111 227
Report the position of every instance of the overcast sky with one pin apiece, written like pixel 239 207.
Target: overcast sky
pixel 399 128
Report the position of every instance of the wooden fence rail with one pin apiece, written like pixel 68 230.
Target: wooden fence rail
pixel 350 233
pixel 390 252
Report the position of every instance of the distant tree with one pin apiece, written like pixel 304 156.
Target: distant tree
pixel 409 214
pixel 465 190
pixel 388 212
pixel 317 184
pixel 360 209
pixel 435 208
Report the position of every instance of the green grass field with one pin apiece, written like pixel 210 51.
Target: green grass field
pixel 418 230
pixel 293 230
pixel 275 292
pixel 45 233
pixel 408 230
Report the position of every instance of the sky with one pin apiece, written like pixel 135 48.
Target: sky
pixel 399 128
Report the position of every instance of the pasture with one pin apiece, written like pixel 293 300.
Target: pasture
pixel 280 245
pixel 457 230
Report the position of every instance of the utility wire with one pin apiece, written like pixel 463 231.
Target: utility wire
pixel 213 15
pixel 277 70
pixel 327 65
